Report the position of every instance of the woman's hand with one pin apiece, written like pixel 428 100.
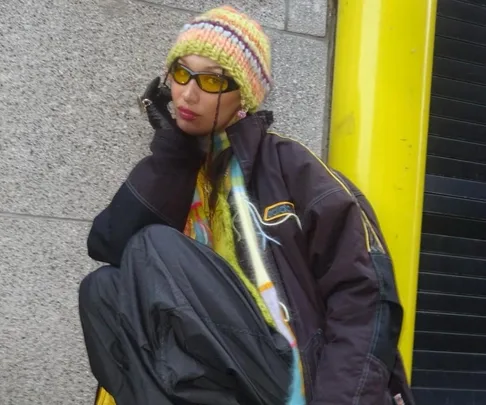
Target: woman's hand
pixel 154 102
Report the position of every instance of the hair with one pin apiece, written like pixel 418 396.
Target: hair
pixel 216 172
pixel 216 166
pixel 241 47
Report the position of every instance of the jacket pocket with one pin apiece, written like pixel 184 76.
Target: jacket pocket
pixel 310 357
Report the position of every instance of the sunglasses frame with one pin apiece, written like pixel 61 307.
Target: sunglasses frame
pixel 232 85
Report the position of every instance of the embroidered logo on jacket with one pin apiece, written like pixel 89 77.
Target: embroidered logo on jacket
pixel 278 210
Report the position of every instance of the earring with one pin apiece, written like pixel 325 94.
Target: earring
pixel 241 114
pixel 171 109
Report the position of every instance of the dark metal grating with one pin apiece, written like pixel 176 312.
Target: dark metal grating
pixel 450 334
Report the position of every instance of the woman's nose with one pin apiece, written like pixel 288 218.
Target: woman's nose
pixel 191 92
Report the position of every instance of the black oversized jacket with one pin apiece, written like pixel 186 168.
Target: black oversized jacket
pixel 335 271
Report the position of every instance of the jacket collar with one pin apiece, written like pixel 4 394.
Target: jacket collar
pixel 245 137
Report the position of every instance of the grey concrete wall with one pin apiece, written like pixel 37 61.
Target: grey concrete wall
pixel 70 131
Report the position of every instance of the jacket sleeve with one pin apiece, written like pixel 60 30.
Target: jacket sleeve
pixel 159 190
pixel 363 315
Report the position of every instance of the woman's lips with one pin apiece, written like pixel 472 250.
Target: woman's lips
pixel 187 115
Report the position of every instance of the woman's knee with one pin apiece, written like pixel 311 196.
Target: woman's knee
pixel 164 239
pixel 163 233
pixel 96 285
pixel 166 249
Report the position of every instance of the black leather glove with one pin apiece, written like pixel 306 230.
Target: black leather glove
pixel 154 102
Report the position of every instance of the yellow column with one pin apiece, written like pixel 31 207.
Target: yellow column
pixel 379 123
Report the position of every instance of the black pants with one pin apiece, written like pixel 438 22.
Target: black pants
pixel 174 325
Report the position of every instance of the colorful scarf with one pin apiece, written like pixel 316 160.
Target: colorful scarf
pixel 219 234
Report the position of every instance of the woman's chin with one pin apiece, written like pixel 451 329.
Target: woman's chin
pixel 190 127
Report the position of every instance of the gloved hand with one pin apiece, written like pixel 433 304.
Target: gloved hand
pixel 154 102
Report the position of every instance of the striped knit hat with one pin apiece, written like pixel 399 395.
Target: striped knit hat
pixel 234 41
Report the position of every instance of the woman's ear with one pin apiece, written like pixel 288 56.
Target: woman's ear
pixel 239 115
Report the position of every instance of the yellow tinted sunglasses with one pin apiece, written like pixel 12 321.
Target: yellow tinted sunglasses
pixel 208 82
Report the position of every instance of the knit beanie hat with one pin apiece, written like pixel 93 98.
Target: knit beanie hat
pixel 234 41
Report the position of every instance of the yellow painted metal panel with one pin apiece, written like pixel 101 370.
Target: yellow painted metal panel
pixel 379 123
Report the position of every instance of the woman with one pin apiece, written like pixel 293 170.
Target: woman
pixel 242 269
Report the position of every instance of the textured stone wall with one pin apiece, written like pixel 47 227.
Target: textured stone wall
pixel 70 130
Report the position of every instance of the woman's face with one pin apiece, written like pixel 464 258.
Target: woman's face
pixel 195 109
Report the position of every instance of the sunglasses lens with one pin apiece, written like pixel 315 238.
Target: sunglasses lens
pixel 213 83
pixel 210 83
pixel 180 75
